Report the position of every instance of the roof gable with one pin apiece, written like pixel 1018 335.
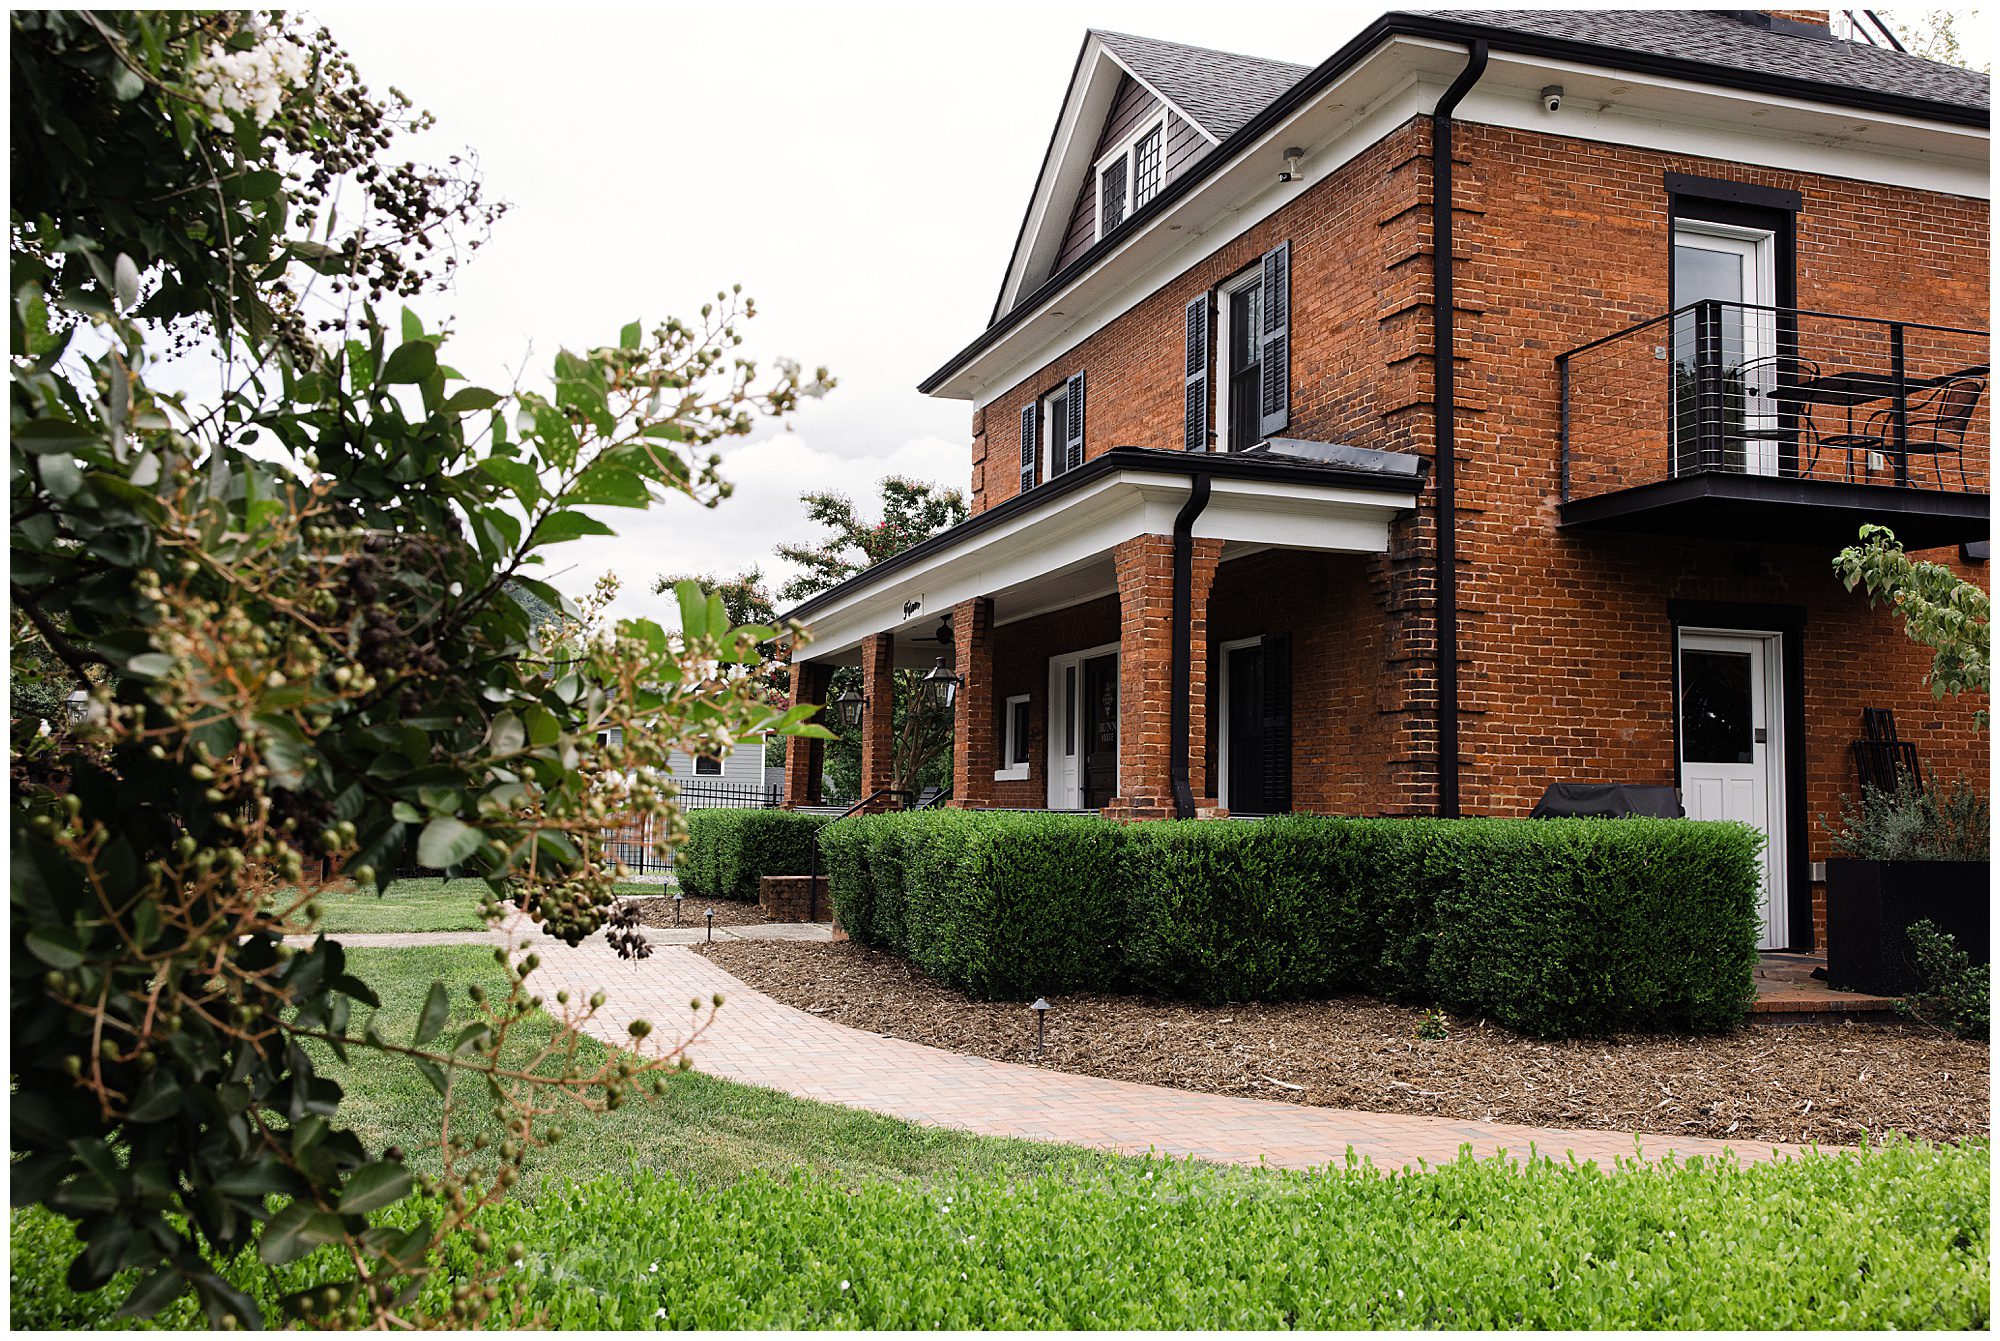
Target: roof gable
pixel 1209 94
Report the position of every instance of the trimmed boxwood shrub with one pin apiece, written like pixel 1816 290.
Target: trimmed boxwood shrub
pixel 728 852
pixel 1552 927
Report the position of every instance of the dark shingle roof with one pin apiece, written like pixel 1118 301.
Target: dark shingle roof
pixel 1718 38
pixel 1219 89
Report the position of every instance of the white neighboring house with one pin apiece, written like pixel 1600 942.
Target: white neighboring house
pixel 737 777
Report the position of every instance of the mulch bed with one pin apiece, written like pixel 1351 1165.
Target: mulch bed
pixel 658 911
pixel 1832 1083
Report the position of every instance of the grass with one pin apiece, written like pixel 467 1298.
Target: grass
pixel 726 1206
pixel 419 905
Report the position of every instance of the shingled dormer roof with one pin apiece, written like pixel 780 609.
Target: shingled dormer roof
pixel 1217 90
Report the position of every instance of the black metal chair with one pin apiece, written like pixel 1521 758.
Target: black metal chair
pixel 1938 418
pixel 1764 382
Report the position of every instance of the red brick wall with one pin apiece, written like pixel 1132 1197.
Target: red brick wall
pixel 1565 644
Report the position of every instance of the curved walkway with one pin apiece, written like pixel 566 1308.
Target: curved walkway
pixel 760 1042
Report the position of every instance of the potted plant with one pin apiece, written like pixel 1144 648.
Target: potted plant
pixel 1916 854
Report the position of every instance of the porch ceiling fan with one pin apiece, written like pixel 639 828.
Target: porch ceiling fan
pixel 942 637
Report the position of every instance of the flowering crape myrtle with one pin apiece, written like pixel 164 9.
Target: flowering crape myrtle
pixel 297 611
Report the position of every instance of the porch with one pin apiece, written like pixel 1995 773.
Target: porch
pixel 1076 624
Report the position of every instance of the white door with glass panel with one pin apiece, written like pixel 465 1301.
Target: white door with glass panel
pixel 1735 355
pixel 1732 754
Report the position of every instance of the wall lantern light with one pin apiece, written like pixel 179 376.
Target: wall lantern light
pixel 847 709
pixel 941 687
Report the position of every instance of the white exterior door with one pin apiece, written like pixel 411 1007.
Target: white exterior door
pixel 1732 752
pixel 1067 719
pixel 1736 266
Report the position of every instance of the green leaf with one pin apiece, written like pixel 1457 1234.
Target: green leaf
pixel 471 398
pixel 694 609
pixel 57 947
pixel 149 665
pixel 437 1009
pixel 261 184
pixel 296 1231
pixel 518 476
pixel 630 336
pixel 412 362
pixel 447 842
pixel 374 1186
pixel 413 326
pixel 558 527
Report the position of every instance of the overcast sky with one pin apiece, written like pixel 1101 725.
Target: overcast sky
pixel 860 169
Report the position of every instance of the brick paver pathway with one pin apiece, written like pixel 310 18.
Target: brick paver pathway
pixel 760 1042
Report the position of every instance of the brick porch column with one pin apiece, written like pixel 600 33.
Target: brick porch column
pixel 878 714
pixel 1145 568
pixel 802 756
pixel 973 724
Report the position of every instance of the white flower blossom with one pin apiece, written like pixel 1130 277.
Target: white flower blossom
pixel 251 82
pixel 843 1285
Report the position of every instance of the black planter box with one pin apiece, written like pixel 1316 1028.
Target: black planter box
pixel 1870 904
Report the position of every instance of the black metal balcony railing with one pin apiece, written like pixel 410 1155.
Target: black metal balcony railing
pixel 1786 393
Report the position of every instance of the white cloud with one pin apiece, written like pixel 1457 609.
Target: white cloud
pixel 679 536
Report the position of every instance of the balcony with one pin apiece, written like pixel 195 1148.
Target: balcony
pixel 1739 421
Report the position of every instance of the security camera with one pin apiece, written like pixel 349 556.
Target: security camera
pixel 1290 172
pixel 1552 98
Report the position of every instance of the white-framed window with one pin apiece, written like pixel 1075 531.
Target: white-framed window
pixel 707 765
pixel 1014 741
pixel 1131 174
pixel 1054 435
pixel 1239 360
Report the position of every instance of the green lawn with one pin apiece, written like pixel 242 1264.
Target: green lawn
pixel 419 905
pixel 725 1206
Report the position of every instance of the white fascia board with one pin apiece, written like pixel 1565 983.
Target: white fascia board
pixel 1732 125
pixel 1404 77
pixel 1065 169
pixel 1088 526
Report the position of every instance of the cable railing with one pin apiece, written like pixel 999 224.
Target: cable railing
pixel 1779 392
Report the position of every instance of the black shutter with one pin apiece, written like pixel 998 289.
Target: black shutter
pixel 1274 403
pixel 1275 729
pixel 1111 196
pixel 1028 412
pixel 1072 456
pixel 1197 375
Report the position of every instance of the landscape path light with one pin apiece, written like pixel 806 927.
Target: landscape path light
pixel 711 924
pixel 1041 1009
pixel 677 908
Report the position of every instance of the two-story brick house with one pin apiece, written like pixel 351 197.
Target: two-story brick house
pixel 1280 503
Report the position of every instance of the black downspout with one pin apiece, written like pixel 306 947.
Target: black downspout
pixel 1180 670
pixel 1443 413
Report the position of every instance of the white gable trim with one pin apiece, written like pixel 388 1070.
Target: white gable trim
pixel 1165 101
pixel 1070 164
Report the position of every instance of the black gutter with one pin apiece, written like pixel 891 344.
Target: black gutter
pixel 1463 34
pixel 1180 663
pixel 1152 460
pixel 1444 415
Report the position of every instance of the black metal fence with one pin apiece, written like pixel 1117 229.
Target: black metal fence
pixel 634 843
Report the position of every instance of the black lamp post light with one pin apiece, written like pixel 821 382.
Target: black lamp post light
pixel 711 924
pixel 941 687
pixel 1041 1009
pixel 677 908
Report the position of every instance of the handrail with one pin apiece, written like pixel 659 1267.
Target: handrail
pixel 936 801
pixel 1696 306
pixel 812 863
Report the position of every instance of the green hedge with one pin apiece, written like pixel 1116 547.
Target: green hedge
pixel 1552 927
pixel 728 851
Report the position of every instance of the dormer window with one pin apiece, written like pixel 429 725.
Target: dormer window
pixel 1130 175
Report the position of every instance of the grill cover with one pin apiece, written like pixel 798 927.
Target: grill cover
pixel 1607 800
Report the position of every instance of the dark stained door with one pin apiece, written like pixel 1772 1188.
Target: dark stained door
pixel 1100 731
pixel 1259 714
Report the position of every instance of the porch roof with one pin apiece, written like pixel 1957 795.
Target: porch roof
pixel 1051 547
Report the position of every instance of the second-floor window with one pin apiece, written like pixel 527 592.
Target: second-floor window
pixel 1130 175
pixel 1245 370
pixel 1055 432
